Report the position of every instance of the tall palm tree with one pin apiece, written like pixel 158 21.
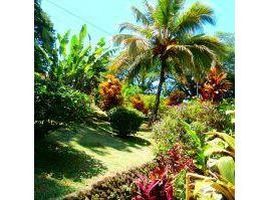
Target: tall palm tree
pixel 170 39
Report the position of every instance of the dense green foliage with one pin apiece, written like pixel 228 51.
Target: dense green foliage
pixel 58 105
pixel 80 65
pixel 125 121
pixel 44 40
pixel 202 116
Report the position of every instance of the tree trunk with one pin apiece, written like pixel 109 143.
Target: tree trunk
pixel 197 89
pixel 158 94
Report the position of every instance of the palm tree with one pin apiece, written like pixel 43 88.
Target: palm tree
pixel 168 39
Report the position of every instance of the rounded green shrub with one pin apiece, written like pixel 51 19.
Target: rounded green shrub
pixel 125 121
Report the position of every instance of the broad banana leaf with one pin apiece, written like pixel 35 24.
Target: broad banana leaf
pixel 226 166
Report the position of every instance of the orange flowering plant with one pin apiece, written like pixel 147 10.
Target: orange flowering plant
pixel 110 92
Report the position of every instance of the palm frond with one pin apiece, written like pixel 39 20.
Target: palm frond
pixel 194 19
pixel 120 38
pixel 212 43
pixel 144 31
pixel 203 62
pixel 138 64
pixel 119 62
pixel 162 13
pixel 182 56
pixel 140 17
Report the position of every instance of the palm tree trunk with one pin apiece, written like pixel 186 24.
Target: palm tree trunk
pixel 197 89
pixel 159 90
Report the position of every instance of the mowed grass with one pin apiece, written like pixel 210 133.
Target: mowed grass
pixel 71 159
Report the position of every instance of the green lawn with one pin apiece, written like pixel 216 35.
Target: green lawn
pixel 71 159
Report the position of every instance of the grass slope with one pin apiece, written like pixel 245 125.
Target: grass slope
pixel 73 158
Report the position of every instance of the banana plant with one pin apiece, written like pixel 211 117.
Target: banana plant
pixel 80 65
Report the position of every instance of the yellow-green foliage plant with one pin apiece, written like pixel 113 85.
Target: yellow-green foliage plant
pixel 219 178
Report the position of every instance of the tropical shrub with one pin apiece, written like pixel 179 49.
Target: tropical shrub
pixel 160 181
pixel 125 121
pixel 202 117
pixel 57 105
pixel 168 131
pixel 215 86
pixel 130 90
pixel 179 185
pixel 227 108
pixel 219 177
pixel 149 102
pixel 157 186
pixel 139 104
pixel 206 113
pixel 176 160
pixel 175 98
pixel 110 92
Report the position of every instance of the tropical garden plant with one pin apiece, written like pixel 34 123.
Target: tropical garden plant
pixel 168 39
pixel 216 85
pixel 138 103
pixel 80 65
pixel 219 177
pixel 175 98
pixel 58 105
pixel 125 121
pixel 110 93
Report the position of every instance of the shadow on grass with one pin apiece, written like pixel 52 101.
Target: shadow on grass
pixel 54 163
pixel 46 188
pixel 65 162
pixel 100 137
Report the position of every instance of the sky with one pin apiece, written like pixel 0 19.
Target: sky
pixel 103 17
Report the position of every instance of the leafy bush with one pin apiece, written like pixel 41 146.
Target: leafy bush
pixel 57 105
pixel 149 103
pixel 168 131
pixel 110 92
pixel 216 85
pixel 179 185
pixel 202 117
pixel 158 186
pixel 161 181
pixel 129 90
pixel 175 98
pixel 139 104
pixel 125 121
pixel 176 160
